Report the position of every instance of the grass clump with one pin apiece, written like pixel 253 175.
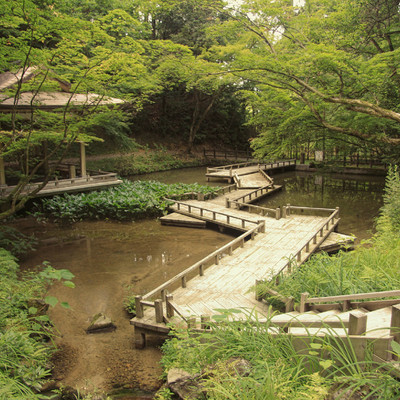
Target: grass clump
pixel 281 369
pixel 130 200
pixel 24 328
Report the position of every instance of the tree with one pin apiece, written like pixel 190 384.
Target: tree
pixel 332 64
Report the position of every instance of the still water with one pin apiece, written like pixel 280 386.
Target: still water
pixel 112 259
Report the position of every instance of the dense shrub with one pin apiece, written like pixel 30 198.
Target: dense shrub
pixel 130 200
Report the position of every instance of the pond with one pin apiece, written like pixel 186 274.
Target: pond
pixel 112 259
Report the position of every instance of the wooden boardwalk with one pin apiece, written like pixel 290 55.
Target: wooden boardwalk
pixel 271 241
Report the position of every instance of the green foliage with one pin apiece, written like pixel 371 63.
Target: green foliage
pixel 16 242
pixel 23 327
pixel 389 219
pixel 278 370
pixel 128 201
pixel 142 163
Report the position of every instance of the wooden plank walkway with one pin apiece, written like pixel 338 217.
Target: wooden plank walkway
pixel 227 172
pixel 225 278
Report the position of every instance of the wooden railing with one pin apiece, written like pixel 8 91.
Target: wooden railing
pixel 200 266
pixel 263 165
pixel 252 209
pixel 227 154
pixel 212 214
pixel 312 244
pixel 253 195
pixel 267 177
pixel 346 302
pixel 63 183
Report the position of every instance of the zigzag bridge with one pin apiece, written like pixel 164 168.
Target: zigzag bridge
pixel 270 242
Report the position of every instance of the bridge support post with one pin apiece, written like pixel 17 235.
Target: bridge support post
pixel 284 212
pixel 205 321
pixel 158 305
pixel 139 307
pixel 395 324
pixel 170 309
pixel 140 339
pixel 303 299
pixel 357 322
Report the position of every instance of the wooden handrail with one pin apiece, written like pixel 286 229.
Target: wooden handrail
pixel 211 257
pixel 357 296
pixel 213 212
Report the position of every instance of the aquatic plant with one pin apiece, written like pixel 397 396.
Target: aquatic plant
pixel 128 201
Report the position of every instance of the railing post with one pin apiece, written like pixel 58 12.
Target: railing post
pixel 200 196
pixel 288 210
pixel 139 307
pixel 183 281
pixel 278 213
pixel 299 256
pixel 357 322
pixel 204 321
pixel 201 270
pixel 216 260
pixel 337 214
pixel 158 305
pixel 262 228
pixel 227 203
pixel 395 324
pixel 163 294
pixel 284 212
pixel 170 309
pixel 191 323
pixel 303 299
pixel 308 247
pixel 289 305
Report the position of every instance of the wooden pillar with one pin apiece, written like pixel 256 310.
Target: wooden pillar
pixel 357 322
pixel 170 309
pixel 72 172
pixel 303 299
pixel 395 324
pixel 83 159
pixel 139 307
pixel 140 339
pixel 2 173
pixel 158 305
pixel 205 321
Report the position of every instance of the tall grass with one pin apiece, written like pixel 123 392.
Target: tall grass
pixel 279 369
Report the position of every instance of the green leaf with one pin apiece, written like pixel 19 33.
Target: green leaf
pixel 51 300
pixel 43 318
pixel 395 347
pixel 69 284
pixel 66 305
pixel 325 364
pixel 32 310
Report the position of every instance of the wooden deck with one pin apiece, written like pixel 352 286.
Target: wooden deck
pixel 271 241
pixel 228 172
pixel 71 185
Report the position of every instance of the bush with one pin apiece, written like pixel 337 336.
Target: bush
pixel 130 200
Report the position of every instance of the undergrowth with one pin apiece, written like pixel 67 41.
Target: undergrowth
pixel 130 200
pixel 25 328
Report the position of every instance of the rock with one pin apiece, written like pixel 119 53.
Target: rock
pixel 100 323
pixel 186 386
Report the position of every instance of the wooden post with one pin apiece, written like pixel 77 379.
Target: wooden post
pixel 191 323
pixel 395 324
pixel 346 305
pixel 227 203
pixel 201 270
pixel 83 159
pixel 308 247
pixel 216 259
pixel 2 173
pixel 158 305
pixel 299 256
pixel 337 215
pixel 139 307
pixel 200 196
pixel 170 309
pixel 284 212
pixel 140 339
pixel 288 210
pixel 183 281
pixel 357 322
pixel 262 223
pixel 258 297
pixel 289 305
pixel 278 213
pixel 204 321
pixel 163 294
pixel 72 172
pixel 303 299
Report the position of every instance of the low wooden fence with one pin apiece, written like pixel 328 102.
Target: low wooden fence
pixel 211 215
pixel 347 302
pixel 183 277
pixel 312 244
pixel 226 154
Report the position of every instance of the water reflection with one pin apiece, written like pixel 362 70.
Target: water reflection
pixel 358 197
